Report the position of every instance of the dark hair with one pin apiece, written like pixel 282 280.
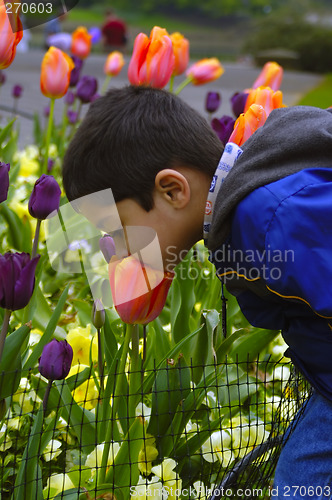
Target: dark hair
pixel 128 136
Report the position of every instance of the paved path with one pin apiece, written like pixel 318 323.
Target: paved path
pixel 25 71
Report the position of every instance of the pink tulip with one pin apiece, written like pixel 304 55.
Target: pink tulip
pixel 10 35
pixel 55 73
pixel 204 71
pixel 114 63
pixel 153 60
pixel 139 293
pixel 270 76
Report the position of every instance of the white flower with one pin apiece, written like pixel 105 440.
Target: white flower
pixel 56 484
pixel 94 459
pixel 146 490
pixel 217 447
pixel 171 480
pixel 246 435
pixel 202 492
pixel 144 411
pixel 52 450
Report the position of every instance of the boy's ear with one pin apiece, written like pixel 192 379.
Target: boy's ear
pixel 173 187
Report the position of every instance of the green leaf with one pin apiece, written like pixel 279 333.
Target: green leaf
pixel 12 348
pixel 202 348
pixel 84 311
pixel 15 226
pixel 125 467
pixel 37 130
pixel 5 132
pixel 248 346
pixel 46 337
pixel 81 420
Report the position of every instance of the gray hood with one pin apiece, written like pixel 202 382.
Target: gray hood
pixel 291 140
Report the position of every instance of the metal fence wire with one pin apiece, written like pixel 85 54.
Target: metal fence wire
pixel 181 439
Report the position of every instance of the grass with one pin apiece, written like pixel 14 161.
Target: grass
pixel 320 96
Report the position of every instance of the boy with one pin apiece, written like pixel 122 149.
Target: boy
pixel 266 209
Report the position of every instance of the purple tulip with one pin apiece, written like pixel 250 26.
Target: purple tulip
pixel 50 164
pixel 95 97
pixel 2 77
pixel 95 33
pixel 45 197
pixel 55 361
pixel 86 88
pixel 76 71
pixel 238 101
pixel 72 116
pixel 46 111
pixel 17 279
pixel 223 127
pixel 212 101
pixel 69 98
pixel 107 246
pixel 17 91
pixel 4 181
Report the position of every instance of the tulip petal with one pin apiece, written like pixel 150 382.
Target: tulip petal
pixel 140 49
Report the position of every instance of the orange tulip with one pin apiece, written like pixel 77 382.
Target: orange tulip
pixel 181 53
pixel 204 71
pixel 152 61
pixel 270 76
pixel 114 63
pixel 55 73
pixel 247 123
pixel 81 43
pixel 10 35
pixel 266 97
pixel 139 293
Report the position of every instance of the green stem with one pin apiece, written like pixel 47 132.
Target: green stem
pixel 101 362
pixel 183 85
pixel 115 404
pixel 48 135
pixel 134 377
pixel 63 130
pixel 105 84
pixel 4 331
pixel 36 239
pixel 171 84
pixel 46 395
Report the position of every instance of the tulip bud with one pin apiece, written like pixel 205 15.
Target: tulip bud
pixel 72 116
pixel 55 361
pixel 76 71
pixel 212 101
pixel 247 123
pixel 4 181
pixel 81 43
pixel 114 63
pixel 223 127
pixel 69 98
pixel 98 314
pixel 107 247
pixel 55 73
pixel 86 88
pixel 204 71
pixel 238 101
pixel 45 197
pixel 270 76
pixel 17 271
pixel 17 91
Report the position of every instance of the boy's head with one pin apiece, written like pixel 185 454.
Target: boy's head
pixel 155 153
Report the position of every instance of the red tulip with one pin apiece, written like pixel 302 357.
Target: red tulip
pixel 55 73
pixel 10 35
pixel 139 293
pixel 266 97
pixel 270 76
pixel 181 53
pixel 153 60
pixel 204 71
pixel 114 63
pixel 247 123
pixel 81 43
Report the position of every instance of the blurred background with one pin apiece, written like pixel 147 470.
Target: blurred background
pixel 296 33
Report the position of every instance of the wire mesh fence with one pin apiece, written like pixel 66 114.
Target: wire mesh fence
pixel 78 438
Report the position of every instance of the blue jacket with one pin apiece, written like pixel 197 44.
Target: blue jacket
pixel 277 260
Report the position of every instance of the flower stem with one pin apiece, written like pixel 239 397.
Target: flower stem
pixel 182 85
pixel 48 135
pixel 115 404
pixel 101 362
pixel 171 84
pixel 46 395
pixel 105 84
pixel 36 239
pixel 134 378
pixel 4 331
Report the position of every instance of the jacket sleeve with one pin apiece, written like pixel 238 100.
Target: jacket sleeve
pixel 298 245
